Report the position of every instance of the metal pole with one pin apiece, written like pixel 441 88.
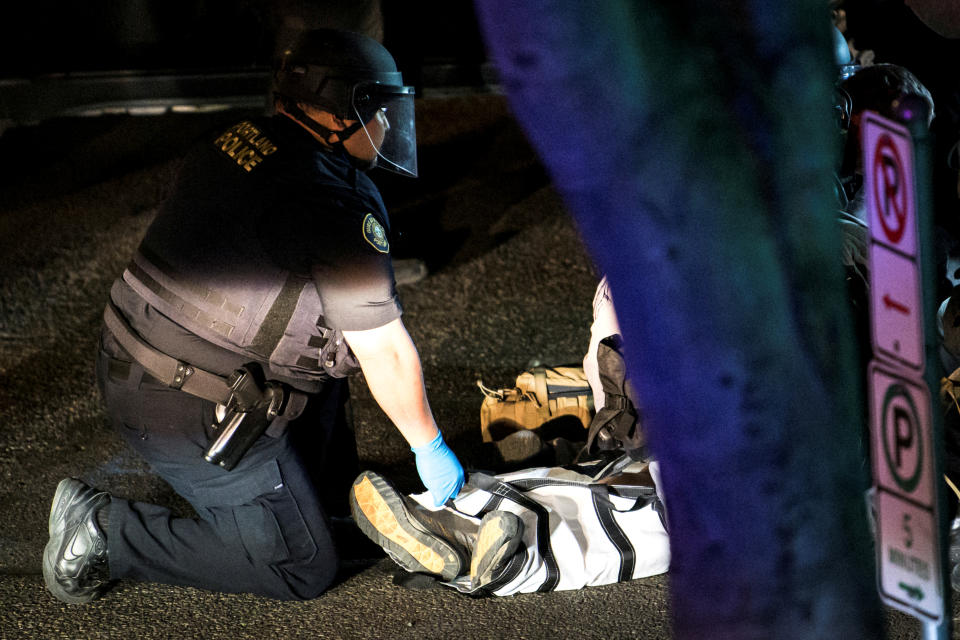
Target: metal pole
pixel 923 148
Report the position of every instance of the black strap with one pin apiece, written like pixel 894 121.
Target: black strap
pixel 300 116
pixel 604 510
pixel 492 505
pixel 178 303
pixel 271 329
pixel 641 494
pixel 180 375
pixel 170 371
pixel 307 362
pixel 500 488
pixel 661 510
pixel 278 317
pixel 613 467
pixel 201 291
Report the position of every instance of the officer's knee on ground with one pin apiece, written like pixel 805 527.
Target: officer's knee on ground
pixel 303 580
pixel 289 562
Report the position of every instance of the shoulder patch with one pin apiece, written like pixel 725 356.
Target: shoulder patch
pixel 374 234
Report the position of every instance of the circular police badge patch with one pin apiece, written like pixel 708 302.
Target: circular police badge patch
pixel 374 234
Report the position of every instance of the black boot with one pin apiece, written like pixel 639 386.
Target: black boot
pixel 75 559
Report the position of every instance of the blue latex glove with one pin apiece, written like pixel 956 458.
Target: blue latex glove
pixel 439 470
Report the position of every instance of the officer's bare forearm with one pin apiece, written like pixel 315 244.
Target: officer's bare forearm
pixel 391 367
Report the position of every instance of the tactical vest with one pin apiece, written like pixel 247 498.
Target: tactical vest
pixel 203 262
pixel 268 314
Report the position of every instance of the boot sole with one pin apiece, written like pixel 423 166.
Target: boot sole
pixel 499 538
pixel 49 579
pixel 379 511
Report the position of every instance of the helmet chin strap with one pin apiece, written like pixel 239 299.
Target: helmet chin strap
pixel 325 133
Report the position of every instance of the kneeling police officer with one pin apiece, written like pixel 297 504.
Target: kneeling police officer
pixel 264 280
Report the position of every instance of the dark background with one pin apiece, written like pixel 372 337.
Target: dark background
pixel 50 36
pixel 509 284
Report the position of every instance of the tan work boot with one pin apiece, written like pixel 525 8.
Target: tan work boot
pixel 500 535
pixel 435 542
pixel 419 540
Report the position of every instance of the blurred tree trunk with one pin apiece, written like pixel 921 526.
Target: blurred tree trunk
pixel 692 142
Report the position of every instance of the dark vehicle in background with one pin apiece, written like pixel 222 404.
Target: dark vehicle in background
pixel 150 57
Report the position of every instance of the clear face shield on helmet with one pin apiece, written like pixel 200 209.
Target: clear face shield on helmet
pixel 387 115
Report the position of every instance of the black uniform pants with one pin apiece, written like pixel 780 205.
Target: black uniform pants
pixel 262 527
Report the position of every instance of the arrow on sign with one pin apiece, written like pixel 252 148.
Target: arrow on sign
pixel 890 303
pixel 913 592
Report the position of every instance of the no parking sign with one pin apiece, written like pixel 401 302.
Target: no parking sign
pixel 903 446
pixel 895 307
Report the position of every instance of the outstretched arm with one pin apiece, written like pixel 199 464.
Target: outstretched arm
pixel 391 367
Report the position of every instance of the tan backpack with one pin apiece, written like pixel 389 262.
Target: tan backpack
pixel 541 394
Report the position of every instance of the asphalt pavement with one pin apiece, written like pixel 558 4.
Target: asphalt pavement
pixel 508 284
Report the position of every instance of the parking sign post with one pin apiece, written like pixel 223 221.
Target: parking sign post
pixel 903 378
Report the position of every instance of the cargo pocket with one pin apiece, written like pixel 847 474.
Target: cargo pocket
pixel 269 520
pixel 288 538
pixel 260 534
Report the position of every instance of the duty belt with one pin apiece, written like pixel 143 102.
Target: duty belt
pixel 251 405
pixel 167 369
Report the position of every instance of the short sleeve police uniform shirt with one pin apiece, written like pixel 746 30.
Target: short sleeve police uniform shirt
pixel 313 213
pixel 256 206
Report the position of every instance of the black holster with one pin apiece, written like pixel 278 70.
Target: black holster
pixel 252 407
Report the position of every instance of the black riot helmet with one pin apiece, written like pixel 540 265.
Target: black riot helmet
pixel 354 78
